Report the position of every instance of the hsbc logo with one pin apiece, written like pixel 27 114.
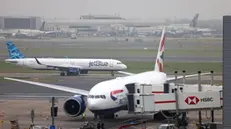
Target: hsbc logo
pixel 191 100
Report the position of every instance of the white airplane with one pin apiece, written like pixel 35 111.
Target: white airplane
pixel 28 33
pixel 108 97
pixel 65 65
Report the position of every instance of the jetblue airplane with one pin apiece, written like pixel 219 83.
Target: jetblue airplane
pixel 65 65
pixel 108 97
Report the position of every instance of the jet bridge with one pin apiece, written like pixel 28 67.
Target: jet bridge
pixel 141 100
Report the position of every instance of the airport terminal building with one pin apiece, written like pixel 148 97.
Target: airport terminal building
pixel 100 17
pixel 7 22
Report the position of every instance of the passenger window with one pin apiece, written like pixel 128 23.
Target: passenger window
pixel 138 101
pixel 97 96
pixel 102 96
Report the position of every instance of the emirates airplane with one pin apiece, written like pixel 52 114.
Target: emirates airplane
pixel 65 65
pixel 108 97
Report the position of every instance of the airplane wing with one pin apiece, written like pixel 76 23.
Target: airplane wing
pixel 186 76
pixel 31 97
pixel 64 66
pixel 125 73
pixel 52 86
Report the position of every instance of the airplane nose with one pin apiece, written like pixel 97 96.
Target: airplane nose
pixel 124 66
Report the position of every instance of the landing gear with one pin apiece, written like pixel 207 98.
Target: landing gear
pixel 73 73
pixel 112 73
pixel 62 74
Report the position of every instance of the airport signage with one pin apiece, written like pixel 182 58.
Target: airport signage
pixel 207 99
pixel 97 63
pixel 193 100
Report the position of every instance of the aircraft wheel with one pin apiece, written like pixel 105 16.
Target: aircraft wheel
pixel 62 74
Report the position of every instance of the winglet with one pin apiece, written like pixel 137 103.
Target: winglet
pixel 159 64
pixel 38 61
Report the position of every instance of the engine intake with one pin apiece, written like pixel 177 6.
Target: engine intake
pixel 74 106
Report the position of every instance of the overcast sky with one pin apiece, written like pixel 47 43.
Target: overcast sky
pixel 143 9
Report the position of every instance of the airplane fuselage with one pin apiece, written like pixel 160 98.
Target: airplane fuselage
pixel 85 64
pixel 115 91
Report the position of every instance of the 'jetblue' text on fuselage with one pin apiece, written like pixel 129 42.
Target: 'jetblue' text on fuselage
pixel 97 63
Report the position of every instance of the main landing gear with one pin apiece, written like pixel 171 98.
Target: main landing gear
pixel 112 73
pixel 69 73
pixel 63 73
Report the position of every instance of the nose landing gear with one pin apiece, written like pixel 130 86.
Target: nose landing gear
pixel 112 73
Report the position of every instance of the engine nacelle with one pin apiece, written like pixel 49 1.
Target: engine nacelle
pixel 74 106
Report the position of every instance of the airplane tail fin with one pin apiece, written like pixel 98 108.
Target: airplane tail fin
pixel 13 51
pixel 159 64
pixel 42 28
pixel 194 21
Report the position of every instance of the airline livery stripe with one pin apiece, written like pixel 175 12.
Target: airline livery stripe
pixel 167 101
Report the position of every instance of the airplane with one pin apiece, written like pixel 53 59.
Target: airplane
pixel 191 26
pixel 24 33
pixel 179 29
pixel 67 66
pixel 108 97
pixel 28 33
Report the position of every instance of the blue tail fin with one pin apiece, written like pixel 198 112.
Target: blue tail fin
pixel 13 51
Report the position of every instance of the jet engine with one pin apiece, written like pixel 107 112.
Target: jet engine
pixel 74 106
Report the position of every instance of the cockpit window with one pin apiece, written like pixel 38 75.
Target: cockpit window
pixel 97 96
pixel 119 63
